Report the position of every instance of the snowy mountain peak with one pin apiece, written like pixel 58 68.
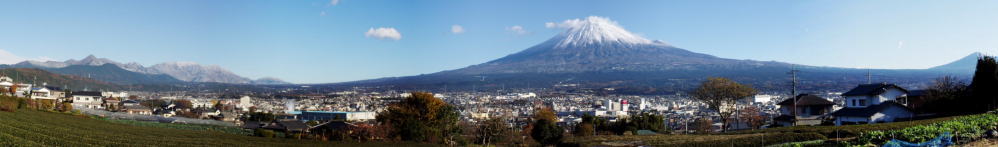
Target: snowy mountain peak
pixel 194 72
pixel 92 61
pixel 185 71
pixel 595 30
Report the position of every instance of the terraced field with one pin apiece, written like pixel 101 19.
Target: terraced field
pixel 40 128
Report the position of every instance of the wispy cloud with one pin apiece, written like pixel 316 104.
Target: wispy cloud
pixel 334 2
pixel 900 44
pixel 456 29
pixel 517 29
pixel 383 33
pixel 323 13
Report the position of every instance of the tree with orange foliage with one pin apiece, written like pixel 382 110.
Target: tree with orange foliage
pixel 421 117
pixel 752 116
pixel 12 90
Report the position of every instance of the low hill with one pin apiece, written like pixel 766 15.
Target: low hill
pixel 37 76
pixel 38 128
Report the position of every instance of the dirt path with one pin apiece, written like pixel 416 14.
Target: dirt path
pixel 982 143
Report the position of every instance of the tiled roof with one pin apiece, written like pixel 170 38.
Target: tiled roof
pixel 807 100
pixel 867 111
pixel 87 93
pixel 871 89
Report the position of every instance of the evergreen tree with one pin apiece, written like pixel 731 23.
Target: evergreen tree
pixel 545 130
pixel 984 87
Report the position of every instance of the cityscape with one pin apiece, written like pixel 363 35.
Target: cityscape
pixel 489 73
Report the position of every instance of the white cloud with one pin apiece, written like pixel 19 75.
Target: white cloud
pixel 383 33
pixel 334 2
pixel 9 58
pixel 574 23
pixel 900 44
pixel 517 29
pixel 323 13
pixel 550 25
pixel 456 29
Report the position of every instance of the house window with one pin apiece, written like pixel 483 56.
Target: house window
pixel 815 110
pixel 862 102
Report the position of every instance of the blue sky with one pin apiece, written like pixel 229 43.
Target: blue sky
pixel 319 41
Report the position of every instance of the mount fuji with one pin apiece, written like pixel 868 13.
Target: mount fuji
pixel 597 53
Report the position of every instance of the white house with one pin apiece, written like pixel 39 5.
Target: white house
pixel 23 90
pixel 87 99
pixel 804 109
pixel 42 93
pixel 202 103
pixel 873 103
pixel 6 83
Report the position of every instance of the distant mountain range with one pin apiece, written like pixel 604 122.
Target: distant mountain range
pixel 596 53
pixel 42 77
pixel 134 73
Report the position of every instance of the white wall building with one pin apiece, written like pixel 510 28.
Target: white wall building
pixel 87 99
pixel 245 103
pixel 873 103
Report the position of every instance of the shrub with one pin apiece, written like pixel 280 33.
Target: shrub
pixel 8 104
pixel 46 104
pixel 22 103
pixel 264 133
pixel 66 107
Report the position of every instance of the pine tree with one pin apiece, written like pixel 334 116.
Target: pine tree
pixel 984 87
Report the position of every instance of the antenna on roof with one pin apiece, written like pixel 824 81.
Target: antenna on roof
pixel 869 76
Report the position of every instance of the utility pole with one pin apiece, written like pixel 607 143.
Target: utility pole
pixel 793 92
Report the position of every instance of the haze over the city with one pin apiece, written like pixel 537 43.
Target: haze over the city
pixel 345 40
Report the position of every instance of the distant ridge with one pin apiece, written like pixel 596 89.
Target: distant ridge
pixel 176 71
pixel 43 78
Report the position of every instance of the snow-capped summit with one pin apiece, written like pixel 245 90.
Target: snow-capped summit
pixel 596 44
pixel 92 61
pixel 595 30
pixel 194 72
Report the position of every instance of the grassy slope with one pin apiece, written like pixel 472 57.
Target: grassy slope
pixel 39 128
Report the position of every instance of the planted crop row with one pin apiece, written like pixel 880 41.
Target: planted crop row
pixel 964 128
